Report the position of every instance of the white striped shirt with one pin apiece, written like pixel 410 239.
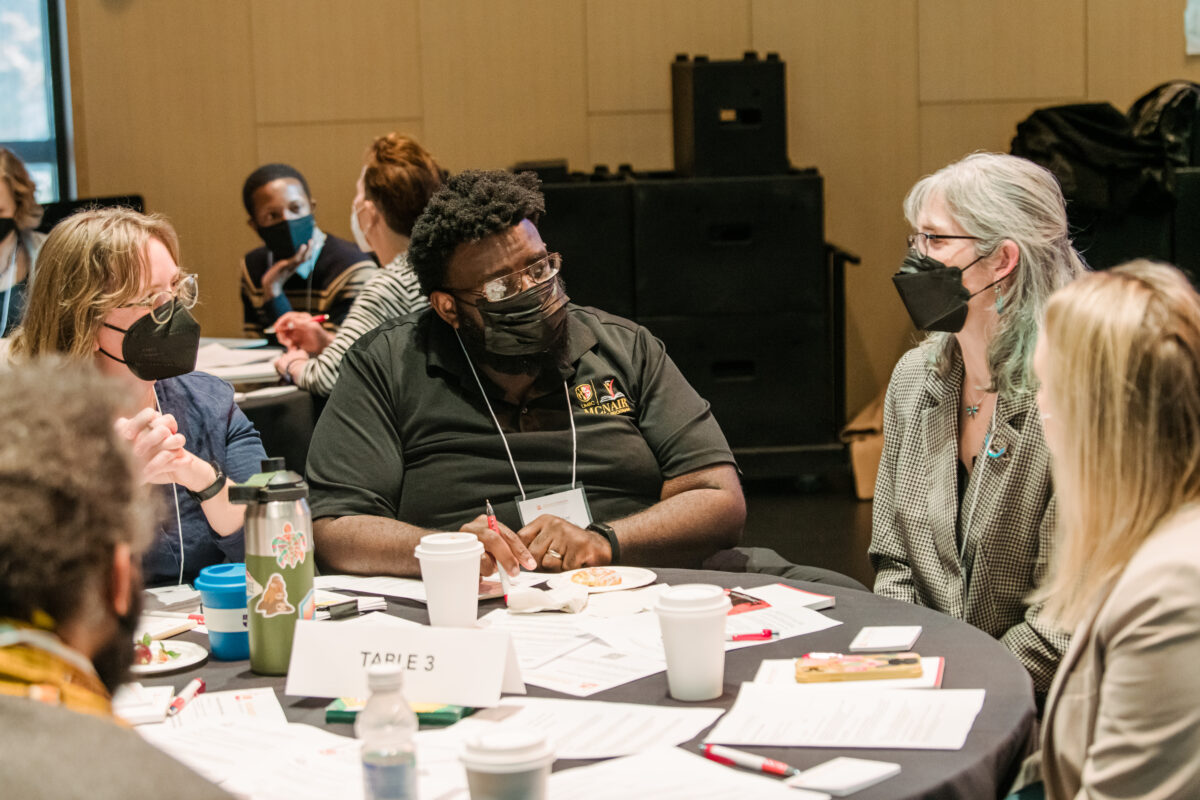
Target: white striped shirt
pixel 392 292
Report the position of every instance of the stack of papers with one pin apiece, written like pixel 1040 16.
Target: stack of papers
pixel 256 364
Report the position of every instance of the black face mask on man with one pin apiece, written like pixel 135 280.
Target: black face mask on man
pixel 933 293
pixel 285 238
pixel 157 350
pixel 522 334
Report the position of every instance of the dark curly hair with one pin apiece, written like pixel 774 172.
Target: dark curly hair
pixel 468 207
pixel 69 488
pixel 264 175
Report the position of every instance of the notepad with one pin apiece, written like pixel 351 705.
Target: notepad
pixel 885 638
pixel 842 776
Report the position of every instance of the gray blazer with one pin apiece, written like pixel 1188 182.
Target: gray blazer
pixel 1007 515
pixel 1123 716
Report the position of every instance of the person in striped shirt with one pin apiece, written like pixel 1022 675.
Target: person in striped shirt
pixel 398 178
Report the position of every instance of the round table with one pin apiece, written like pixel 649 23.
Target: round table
pixel 1001 736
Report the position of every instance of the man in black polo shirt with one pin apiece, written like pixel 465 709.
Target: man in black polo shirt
pixel 503 391
pixel 299 267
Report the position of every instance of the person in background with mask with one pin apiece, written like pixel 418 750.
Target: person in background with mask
pixel 299 266
pixel 19 242
pixel 503 390
pixel 74 518
pixel 964 511
pixel 396 182
pixel 110 292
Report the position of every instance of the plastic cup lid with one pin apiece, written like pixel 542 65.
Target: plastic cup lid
pixel 692 597
pixel 510 748
pixel 219 577
pixel 448 544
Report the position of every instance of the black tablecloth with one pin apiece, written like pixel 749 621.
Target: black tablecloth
pixel 984 767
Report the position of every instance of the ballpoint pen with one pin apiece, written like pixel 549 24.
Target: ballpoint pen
pixel 495 528
pixel 738 758
pixel 195 687
pixel 317 318
pixel 766 634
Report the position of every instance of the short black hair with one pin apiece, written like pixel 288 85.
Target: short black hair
pixel 264 175
pixel 468 207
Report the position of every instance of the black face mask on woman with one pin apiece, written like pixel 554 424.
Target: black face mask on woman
pixel 934 293
pixel 7 226
pixel 154 351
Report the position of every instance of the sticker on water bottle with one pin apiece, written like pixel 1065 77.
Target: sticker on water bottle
pixel 274 598
pixel 308 606
pixel 253 587
pixel 290 547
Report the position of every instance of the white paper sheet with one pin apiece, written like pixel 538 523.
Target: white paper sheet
pixel 538 637
pixel 780 594
pixel 406 588
pixel 817 716
pixel 783 671
pixel 591 728
pixel 590 669
pixel 669 773
pixel 215 355
pixel 140 705
pixel 239 705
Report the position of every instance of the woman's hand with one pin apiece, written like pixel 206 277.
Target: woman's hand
pixel 297 329
pixel 159 445
pixel 283 364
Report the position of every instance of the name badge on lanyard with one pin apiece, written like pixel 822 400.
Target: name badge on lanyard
pixel 561 501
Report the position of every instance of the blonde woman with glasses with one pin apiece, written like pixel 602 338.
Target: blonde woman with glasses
pixel 109 290
pixel 1119 365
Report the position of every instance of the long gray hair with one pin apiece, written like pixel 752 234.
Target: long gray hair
pixel 999 197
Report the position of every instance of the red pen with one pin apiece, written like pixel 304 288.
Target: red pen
pixel 195 687
pixel 494 527
pixel 731 757
pixel 764 635
pixel 317 318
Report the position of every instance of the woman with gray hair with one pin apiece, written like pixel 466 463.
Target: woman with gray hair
pixel 964 505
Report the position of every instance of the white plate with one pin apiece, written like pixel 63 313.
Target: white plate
pixel 190 654
pixel 631 578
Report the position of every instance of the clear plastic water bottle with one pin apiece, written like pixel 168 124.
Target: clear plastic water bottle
pixel 386 726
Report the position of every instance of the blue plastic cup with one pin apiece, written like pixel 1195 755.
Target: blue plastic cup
pixel 222 590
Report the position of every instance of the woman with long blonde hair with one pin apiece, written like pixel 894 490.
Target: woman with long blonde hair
pixel 1119 365
pixel 109 291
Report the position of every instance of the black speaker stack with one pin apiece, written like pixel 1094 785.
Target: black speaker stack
pixel 725 260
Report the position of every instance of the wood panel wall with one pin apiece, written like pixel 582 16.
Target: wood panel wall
pixel 180 100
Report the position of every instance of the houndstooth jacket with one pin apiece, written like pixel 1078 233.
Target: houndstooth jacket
pixel 1008 511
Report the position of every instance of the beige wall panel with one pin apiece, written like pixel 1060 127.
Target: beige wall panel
pixel 852 113
pixel 504 81
pixel 1001 49
pixel 631 44
pixel 643 140
pixel 1134 45
pixel 164 108
pixel 952 130
pixel 331 156
pixel 345 60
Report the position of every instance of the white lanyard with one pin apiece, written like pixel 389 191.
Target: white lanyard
pixel 503 438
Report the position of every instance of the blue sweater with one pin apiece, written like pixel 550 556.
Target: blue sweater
pixel 216 430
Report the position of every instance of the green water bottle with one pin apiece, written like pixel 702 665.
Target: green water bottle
pixel 279 562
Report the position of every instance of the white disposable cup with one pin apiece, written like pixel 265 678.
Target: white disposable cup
pixel 450 571
pixel 692 618
pixel 511 763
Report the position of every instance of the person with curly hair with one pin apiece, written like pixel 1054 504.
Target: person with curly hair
pixel 573 423
pixel 75 517
pixel 396 182
pixel 19 242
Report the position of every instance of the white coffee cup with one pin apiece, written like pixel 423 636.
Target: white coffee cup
pixel 692 618
pixel 510 763
pixel 450 571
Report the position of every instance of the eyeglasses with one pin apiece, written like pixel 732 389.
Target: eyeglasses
pixel 186 291
pixel 512 284
pixel 920 241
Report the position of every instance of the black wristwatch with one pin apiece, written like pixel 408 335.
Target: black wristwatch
pixel 214 488
pixel 608 533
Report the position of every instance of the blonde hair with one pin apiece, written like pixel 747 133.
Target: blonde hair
pixel 998 197
pixel 1122 375
pixel 13 173
pixel 91 263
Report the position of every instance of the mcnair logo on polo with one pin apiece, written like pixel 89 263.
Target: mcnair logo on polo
pixel 613 401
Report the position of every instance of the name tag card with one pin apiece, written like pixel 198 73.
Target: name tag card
pixel 457 666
